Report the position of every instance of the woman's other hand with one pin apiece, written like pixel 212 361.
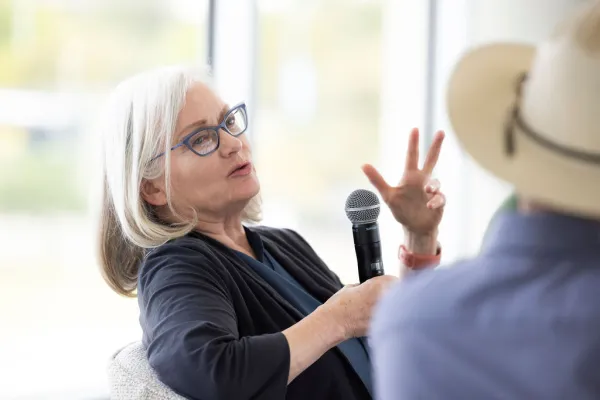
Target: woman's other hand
pixel 352 306
pixel 416 202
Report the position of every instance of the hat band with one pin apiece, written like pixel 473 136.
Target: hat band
pixel 516 120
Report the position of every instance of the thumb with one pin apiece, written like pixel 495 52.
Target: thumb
pixel 344 288
pixel 376 180
pixel 349 286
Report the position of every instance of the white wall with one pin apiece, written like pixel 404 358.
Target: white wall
pixel 521 20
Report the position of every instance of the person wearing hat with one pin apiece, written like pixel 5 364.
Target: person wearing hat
pixel 521 320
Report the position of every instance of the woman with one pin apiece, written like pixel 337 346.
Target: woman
pixel 230 311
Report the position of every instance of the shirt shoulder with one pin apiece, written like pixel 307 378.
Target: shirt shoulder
pixel 509 288
pixel 426 295
pixel 187 259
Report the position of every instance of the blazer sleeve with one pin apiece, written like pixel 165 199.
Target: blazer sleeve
pixel 191 328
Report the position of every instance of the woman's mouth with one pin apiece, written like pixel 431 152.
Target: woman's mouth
pixel 241 169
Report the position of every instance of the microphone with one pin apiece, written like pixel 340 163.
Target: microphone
pixel 362 209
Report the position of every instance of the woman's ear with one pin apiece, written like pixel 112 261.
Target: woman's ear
pixel 153 193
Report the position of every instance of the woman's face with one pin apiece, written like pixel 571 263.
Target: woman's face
pixel 213 185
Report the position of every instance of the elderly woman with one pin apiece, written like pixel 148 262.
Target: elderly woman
pixel 230 311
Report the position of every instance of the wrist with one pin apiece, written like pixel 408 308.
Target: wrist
pixel 330 325
pixel 421 243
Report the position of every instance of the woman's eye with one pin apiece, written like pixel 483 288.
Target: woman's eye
pixel 199 140
pixel 230 121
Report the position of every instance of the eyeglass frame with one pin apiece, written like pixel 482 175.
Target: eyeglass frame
pixel 222 126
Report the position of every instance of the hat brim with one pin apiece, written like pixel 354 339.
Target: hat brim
pixel 481 93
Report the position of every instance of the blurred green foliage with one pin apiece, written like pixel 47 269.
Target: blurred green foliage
pixel 81 47
pixel 41 180
pixel 105 41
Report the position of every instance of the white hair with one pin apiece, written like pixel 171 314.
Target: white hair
pixel 138 125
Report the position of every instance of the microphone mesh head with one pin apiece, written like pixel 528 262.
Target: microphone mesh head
pixel 362 207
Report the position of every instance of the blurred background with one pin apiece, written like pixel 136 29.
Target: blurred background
pixel 330 85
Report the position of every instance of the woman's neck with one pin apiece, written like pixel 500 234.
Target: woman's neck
pixel 228 231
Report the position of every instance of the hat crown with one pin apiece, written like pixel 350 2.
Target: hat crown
pixel 561 97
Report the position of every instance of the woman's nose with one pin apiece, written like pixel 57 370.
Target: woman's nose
pixel 229 144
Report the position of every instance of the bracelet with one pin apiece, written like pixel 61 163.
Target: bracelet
pixel 419 261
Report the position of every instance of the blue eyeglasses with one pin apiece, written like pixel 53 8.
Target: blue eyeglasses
pixel 206 140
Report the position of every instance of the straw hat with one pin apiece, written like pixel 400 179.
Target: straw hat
pixel 531 116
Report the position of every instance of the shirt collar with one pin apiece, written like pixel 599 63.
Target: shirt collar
pixel 512 230
pixel 256 243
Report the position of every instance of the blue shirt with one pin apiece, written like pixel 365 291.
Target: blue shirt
pixel 520 321
pixel 354 350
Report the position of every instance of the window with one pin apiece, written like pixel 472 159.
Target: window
pixel 317 114
pixel 60 322
pixel 340 83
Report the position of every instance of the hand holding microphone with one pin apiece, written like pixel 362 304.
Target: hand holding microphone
pixel 351 308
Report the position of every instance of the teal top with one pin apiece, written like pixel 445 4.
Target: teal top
pixel 508 205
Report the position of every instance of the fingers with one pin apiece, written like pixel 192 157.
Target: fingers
pixel 433 153
pixel 436 198
pixel 376 180
pixel 412 154
pixel 433 185
pixel 437 201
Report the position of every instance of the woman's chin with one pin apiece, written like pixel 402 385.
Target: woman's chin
pixel 248 189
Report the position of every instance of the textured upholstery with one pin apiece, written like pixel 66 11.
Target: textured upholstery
pixel 131 377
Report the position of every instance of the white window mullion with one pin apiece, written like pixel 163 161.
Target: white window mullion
pixel 234 52
pixel 403 100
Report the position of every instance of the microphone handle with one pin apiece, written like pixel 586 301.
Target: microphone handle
pixel 368 251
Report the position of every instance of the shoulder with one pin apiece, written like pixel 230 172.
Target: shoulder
pixel 424 297
pixel 184 250
pixel 286 239
pixel 280 234
pixel 187 258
